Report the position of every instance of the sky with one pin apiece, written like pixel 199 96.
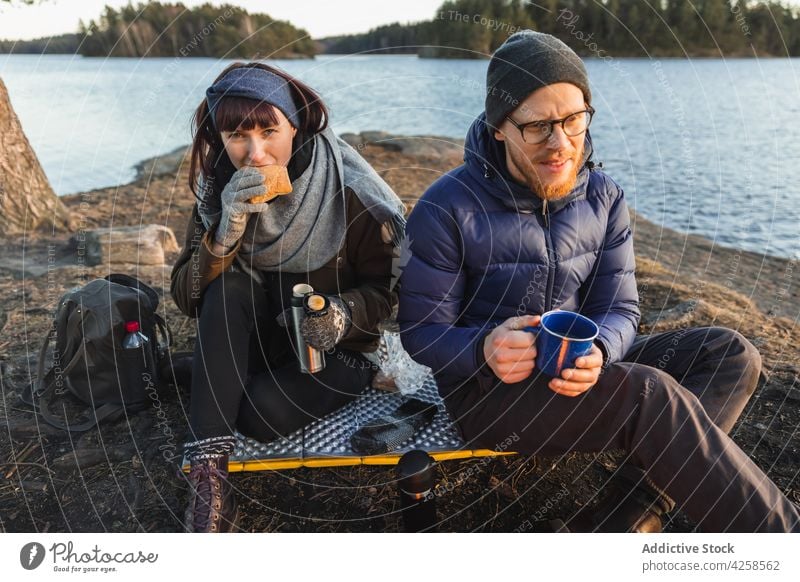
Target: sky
pixel 319 17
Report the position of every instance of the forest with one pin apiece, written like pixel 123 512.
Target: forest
pixel 620 28
pixel 156 29
pixel 458 29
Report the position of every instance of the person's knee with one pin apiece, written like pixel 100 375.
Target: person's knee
pixel 752 357
pixel 740 354
pixel 750 353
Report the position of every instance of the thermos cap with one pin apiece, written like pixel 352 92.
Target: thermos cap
pixel 415 471
pixel 315 302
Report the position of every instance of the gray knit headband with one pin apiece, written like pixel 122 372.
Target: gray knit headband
pixel 253 83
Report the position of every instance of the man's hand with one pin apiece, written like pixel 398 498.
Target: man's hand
pixel 578 380
pixel 510 352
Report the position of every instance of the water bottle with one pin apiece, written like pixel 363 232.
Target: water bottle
pixel 137 359
pixel 134 338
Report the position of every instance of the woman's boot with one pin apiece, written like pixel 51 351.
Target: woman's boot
pixel 212 504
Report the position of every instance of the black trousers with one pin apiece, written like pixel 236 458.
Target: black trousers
pixel 669 405
pixel 245 374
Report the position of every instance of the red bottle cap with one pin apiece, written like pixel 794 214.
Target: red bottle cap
pixel 131 326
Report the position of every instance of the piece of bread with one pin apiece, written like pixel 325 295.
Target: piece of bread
pixel 276 179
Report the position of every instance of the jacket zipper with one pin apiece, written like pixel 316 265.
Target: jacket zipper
pixel 548 298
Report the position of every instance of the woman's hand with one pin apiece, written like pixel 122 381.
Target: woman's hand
pixel 243 185
pixel 322 332
pixel 575 381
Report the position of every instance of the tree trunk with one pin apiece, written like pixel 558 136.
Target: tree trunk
pixel 27 202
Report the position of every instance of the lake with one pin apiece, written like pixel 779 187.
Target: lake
pixel 705 146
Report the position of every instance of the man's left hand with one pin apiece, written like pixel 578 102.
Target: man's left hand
pixel 575 381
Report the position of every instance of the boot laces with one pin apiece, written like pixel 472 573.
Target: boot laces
pixel 204 476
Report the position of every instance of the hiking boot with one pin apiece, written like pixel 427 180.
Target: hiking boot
pixel 212 503
pixel 628 511
pixel 634 505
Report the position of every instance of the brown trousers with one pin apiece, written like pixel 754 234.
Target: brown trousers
pixel 670 405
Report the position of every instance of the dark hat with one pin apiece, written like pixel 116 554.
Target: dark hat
pixel 527 61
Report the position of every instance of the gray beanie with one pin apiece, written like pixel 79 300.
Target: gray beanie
pixel 525 62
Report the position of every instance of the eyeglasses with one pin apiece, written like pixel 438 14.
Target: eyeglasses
pixel 537 132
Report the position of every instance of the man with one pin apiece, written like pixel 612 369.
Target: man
pixel 527 225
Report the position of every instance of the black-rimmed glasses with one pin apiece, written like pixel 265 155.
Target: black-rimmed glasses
pixel 536 132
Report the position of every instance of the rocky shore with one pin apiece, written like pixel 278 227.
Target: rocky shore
pixel 117 478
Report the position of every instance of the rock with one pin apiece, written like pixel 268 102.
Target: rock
pixel 375 137
pixel 127 245
pixel 426 146
pixel 164 164
pixel 353 139
pixel 431 146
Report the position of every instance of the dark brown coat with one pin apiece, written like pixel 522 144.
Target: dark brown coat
pixel 360 273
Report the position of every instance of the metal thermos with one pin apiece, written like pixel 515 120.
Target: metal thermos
pixel 416 476
pixel 311 360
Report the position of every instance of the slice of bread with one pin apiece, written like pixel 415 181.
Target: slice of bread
pixel 276 179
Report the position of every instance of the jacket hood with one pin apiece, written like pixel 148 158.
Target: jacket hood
pixel 485 159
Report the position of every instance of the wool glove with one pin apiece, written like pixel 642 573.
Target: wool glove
pixel 243 185
pixel 324 331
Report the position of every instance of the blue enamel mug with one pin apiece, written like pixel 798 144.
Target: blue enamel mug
pixel 561 338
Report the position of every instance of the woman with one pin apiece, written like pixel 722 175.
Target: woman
pixel 335 231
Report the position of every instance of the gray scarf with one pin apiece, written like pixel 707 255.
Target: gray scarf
pixel 303 230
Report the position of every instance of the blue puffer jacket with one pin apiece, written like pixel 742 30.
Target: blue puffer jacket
pixel 483 249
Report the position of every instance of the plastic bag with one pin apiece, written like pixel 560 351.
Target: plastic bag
pixel 395 362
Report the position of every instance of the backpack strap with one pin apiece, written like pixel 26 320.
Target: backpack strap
pixel 98 415
pixel 45 389
pixel 41 384
pixel 166 334
pixel 46 382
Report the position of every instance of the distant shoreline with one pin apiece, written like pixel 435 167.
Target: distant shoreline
pixel 379 53
pixel 649 241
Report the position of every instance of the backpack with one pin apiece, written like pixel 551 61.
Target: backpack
pixel 89 361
